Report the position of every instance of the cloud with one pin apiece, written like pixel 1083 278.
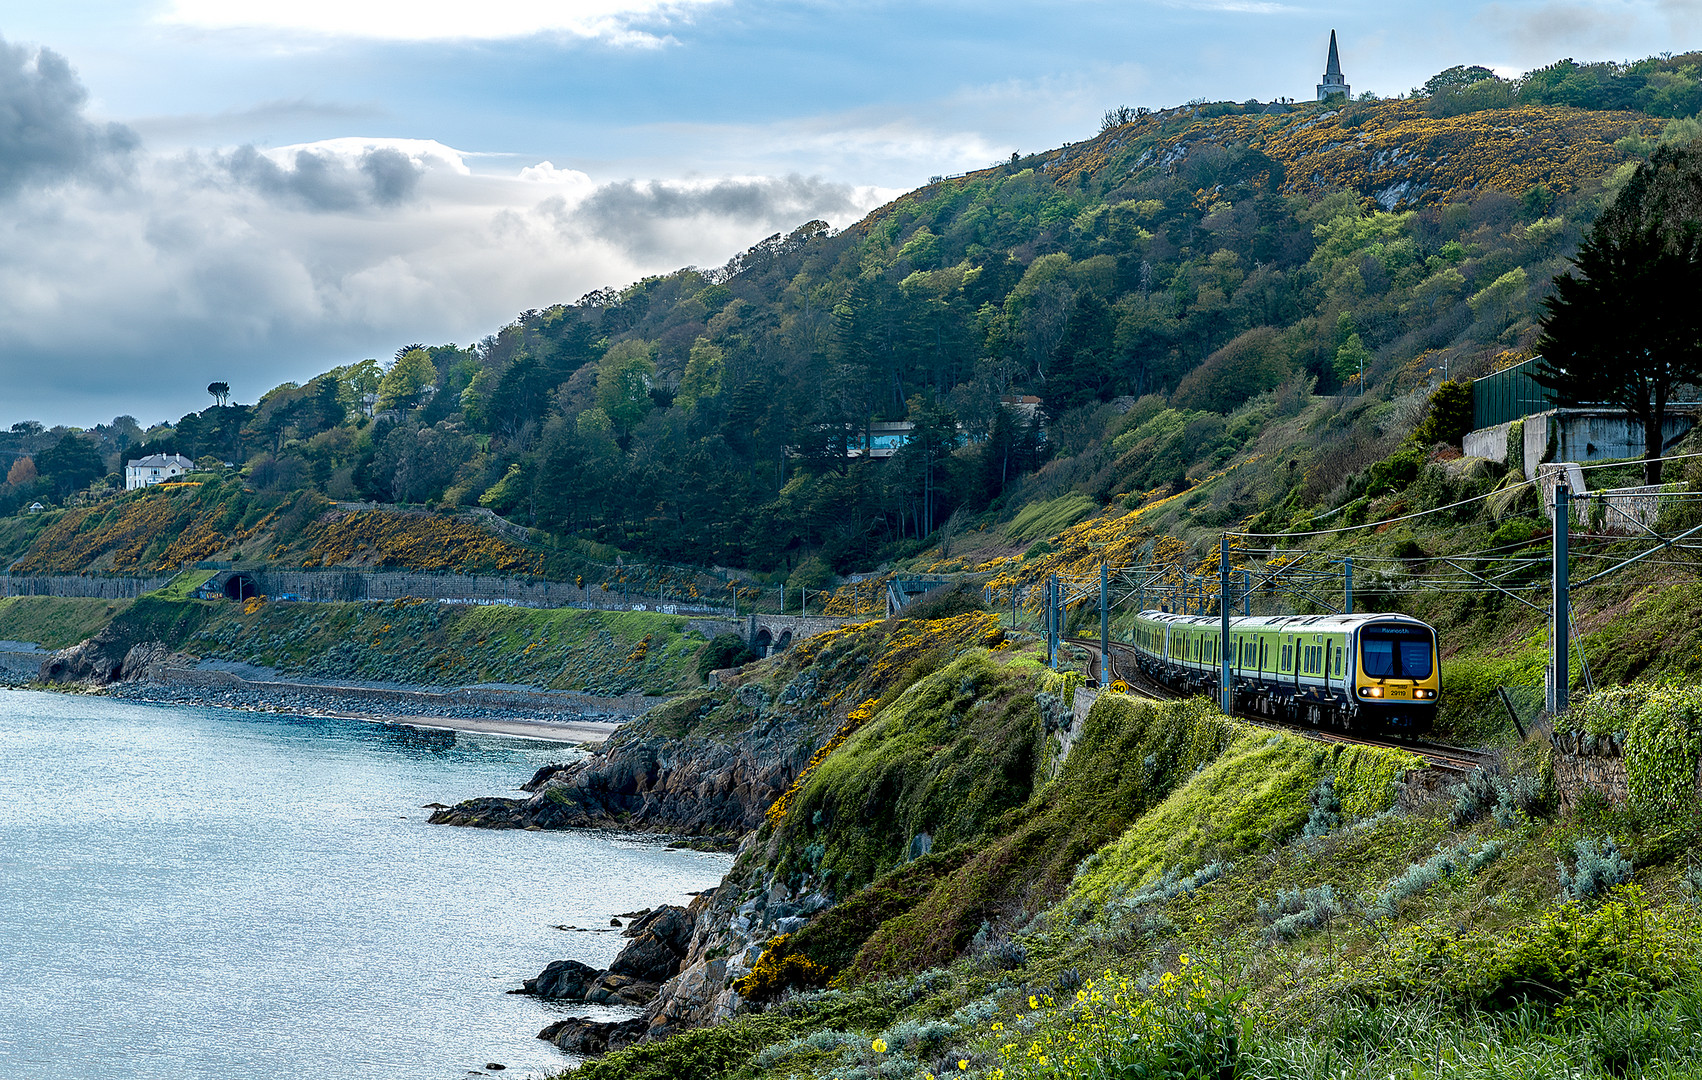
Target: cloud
pixel 216 127
pixel 257 266
pixel 342 174
pixel 648 218
pixel 619 22
pixel 44 137
pixel 1542 32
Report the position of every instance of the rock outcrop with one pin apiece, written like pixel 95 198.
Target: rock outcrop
pixel 577 1035
pixel 651 777
pixel 108 657
pixel 660 941
pixel 561 980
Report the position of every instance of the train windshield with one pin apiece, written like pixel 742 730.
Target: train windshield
pixel 1396 652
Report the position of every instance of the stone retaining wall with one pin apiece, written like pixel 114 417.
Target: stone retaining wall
pixel 1584 764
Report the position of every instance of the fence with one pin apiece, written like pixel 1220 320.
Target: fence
pixel 1507 395
pixel 76 585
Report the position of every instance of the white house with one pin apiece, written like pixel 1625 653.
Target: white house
pixel 153 469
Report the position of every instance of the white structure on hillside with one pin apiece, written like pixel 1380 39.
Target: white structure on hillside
pixel 1334 81
pixel 154 469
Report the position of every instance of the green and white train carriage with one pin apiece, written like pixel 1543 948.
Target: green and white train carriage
pixel 1372 671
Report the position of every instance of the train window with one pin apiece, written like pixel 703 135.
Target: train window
pixel 1287 657
pixel 1396 652
pixel 1338 659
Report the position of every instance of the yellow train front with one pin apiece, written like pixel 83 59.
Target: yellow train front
pixel 1373 672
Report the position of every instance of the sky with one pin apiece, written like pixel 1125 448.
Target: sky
pixel 255 191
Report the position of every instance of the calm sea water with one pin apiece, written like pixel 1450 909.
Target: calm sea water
pixel 209 893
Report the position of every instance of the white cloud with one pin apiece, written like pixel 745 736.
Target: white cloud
pixel 242 266
pixel 621 22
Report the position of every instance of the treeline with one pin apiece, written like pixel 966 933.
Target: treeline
pixel 1665 86
pixel 1165 289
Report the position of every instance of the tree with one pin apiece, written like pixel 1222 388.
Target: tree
pixel 1449 415
pixel 704 371
pixel 73 463
pixel 623 384
pixel 21 473
pixel 1351 359
pixel 220 392
pixel 1628 331
pixel 408 381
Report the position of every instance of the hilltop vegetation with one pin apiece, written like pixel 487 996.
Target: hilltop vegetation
pixel 1199 260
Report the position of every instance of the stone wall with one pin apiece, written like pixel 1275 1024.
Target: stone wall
pixel 1583 764
pixel 776 633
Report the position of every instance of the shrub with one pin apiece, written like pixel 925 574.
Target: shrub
pixel 1326 814
pixel 1598 869
pixel 724 651
pixel 1295 911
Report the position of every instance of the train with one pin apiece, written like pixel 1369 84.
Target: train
pixel 1373 672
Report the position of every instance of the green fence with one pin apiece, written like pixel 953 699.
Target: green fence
pixel 1508 395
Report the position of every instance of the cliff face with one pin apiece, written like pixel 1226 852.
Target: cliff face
pixel 713 764
pixel 706 765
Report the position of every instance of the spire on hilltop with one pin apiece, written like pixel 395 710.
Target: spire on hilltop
pixel 1334 82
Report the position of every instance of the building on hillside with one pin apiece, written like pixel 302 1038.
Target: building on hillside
pixel 1334 82
pixel 154 469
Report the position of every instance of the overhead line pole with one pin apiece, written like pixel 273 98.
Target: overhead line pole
pixel 1560 627
pixel 1104 625
pixel 1226 688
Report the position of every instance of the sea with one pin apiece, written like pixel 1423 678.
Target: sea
pixel 195 892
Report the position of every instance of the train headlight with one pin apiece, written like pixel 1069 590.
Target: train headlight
pixel 1424 693
pixel 1370 691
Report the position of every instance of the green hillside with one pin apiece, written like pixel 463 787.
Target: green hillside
pixel 1194 259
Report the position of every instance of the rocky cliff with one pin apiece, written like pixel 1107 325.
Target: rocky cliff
pixel 706 765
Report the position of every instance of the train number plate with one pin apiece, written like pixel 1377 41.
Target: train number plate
pixel 1400 692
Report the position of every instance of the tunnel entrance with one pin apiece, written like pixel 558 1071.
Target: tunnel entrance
pixel 240 587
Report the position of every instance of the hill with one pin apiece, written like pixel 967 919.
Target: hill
pixel 1195 257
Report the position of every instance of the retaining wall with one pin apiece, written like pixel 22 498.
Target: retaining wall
pixel 1584 764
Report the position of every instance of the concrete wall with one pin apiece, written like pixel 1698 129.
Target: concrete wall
pixel 1489 442
pixel 329 585
pixel 1592 435
pixel 1577 435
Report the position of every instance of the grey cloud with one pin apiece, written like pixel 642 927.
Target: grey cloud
pixel 1544 31
pixel 321 181
pixel 637 216
pixel 241 123
pixel 44 136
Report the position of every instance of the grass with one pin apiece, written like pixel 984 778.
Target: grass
pixel 56 622
pixel 183 586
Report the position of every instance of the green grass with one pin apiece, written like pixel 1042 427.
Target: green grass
pixel 1051 517
pixel 449 645
pixel 183 586
pixel 56 622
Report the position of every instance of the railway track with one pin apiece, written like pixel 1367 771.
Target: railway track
pixel 1448 759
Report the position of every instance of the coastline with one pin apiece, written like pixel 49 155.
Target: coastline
pixel 578 732
pixel 547 716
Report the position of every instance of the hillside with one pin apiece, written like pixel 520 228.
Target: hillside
pixel 1195 257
